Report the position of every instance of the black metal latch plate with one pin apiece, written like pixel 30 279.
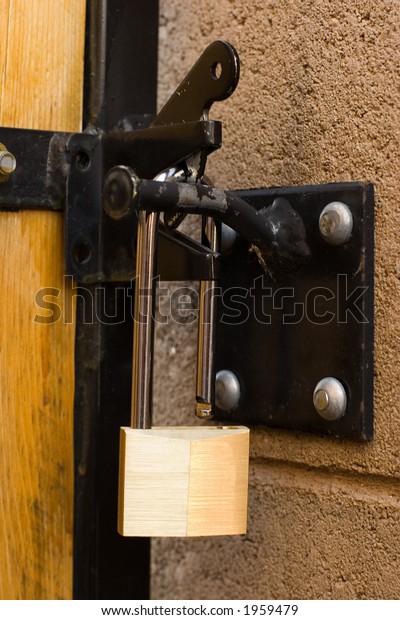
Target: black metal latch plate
pixel 281 338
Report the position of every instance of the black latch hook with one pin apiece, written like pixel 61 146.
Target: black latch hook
pixel 214 77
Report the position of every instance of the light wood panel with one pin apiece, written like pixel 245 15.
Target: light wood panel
pixel 41 66
pixel 183 481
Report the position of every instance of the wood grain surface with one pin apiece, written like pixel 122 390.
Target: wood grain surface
pixel 41 68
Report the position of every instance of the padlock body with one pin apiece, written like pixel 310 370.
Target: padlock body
pixel 183 481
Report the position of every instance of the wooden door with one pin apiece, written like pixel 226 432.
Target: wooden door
pixel 41 65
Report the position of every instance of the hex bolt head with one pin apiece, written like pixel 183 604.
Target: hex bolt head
pixel 330 399
pixel 227 390
pixel 336 223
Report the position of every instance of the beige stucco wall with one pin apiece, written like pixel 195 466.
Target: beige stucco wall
pixel 318 101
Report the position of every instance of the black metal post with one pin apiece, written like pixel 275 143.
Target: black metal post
pixel 120 82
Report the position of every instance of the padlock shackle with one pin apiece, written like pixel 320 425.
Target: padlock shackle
pixel 207 327
pixel 143 325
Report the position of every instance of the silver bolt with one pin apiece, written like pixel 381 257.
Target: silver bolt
pixel 8 163
pixel 228 238
pixel 330 399
pixel 118 191
pixel 227 390
pixel 336 223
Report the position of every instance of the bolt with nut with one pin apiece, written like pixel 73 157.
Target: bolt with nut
pixel 8 163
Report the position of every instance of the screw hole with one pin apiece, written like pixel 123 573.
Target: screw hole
pixel 82 160
pixel 82 253
pixel 216 70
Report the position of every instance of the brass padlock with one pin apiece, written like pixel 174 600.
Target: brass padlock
pixel 174 481
pixel 184 481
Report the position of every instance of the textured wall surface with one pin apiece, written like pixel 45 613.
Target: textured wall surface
pixel 318 101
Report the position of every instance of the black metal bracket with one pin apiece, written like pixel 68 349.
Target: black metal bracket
pixel 98 247
pixel 281 336
pixel 101 248
pixel 100 242
pixel 42 166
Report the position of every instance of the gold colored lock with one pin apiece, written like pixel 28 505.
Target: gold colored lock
pixel 183 481
pixel 174 481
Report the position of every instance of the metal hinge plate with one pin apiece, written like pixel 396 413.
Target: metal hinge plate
pixel 280 338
